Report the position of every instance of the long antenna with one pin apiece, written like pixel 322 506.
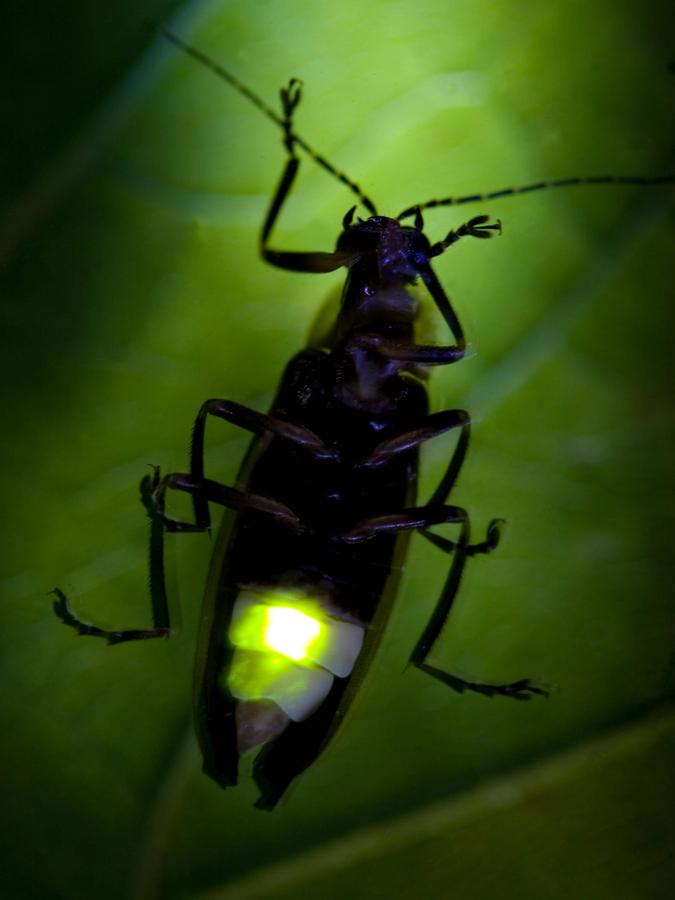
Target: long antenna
pixel 250 95
pixel 642 180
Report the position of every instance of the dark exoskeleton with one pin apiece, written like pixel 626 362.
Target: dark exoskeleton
pixel 326 490
pixel 326 496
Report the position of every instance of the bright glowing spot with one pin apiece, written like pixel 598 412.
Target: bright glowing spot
pixel 290 632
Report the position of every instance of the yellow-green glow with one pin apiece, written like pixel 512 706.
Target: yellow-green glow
pixel 289 628
pixel 252 675
pixel 292 624
pixel 298 690
pixel 288 650
pixel 248 627
pixel 290 632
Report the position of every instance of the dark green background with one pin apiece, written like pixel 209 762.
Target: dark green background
pixel 131 291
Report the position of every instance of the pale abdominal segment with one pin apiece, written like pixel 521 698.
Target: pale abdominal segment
pixel 288 650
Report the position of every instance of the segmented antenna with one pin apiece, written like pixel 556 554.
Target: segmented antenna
pixel 250 95
pixel 642 180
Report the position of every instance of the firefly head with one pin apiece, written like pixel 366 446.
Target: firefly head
pixel 392 250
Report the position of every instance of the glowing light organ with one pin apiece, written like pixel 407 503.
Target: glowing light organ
pixel 288 651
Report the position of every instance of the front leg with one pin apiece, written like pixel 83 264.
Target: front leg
pixel 311 261
pixel 478 227
pixel 420 354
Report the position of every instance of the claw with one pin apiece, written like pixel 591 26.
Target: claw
pixel 148 486
pixel 494 533
pixel 62 609
pixel 291 96
pixel 477 227
pixel 524 689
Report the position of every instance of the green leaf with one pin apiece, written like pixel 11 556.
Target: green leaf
pixel 500 834
pixel 132 291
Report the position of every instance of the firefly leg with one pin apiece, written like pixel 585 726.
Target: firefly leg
pixel 152 493
pixel 258 423
pixel 433 426
pixel 423 517
pixel 296 262
pixel 435 512
pixel 478 227
pixel 225 496
pixel 410 519
pixel 65 614
pixel 490 543
pixel 420 518
pixel 430 427
pixel 443 490
pixel 433 355
pixel 158 597
pixel 474 228
pixel 519 690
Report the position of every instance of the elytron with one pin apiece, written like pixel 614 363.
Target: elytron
pixel 303 574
